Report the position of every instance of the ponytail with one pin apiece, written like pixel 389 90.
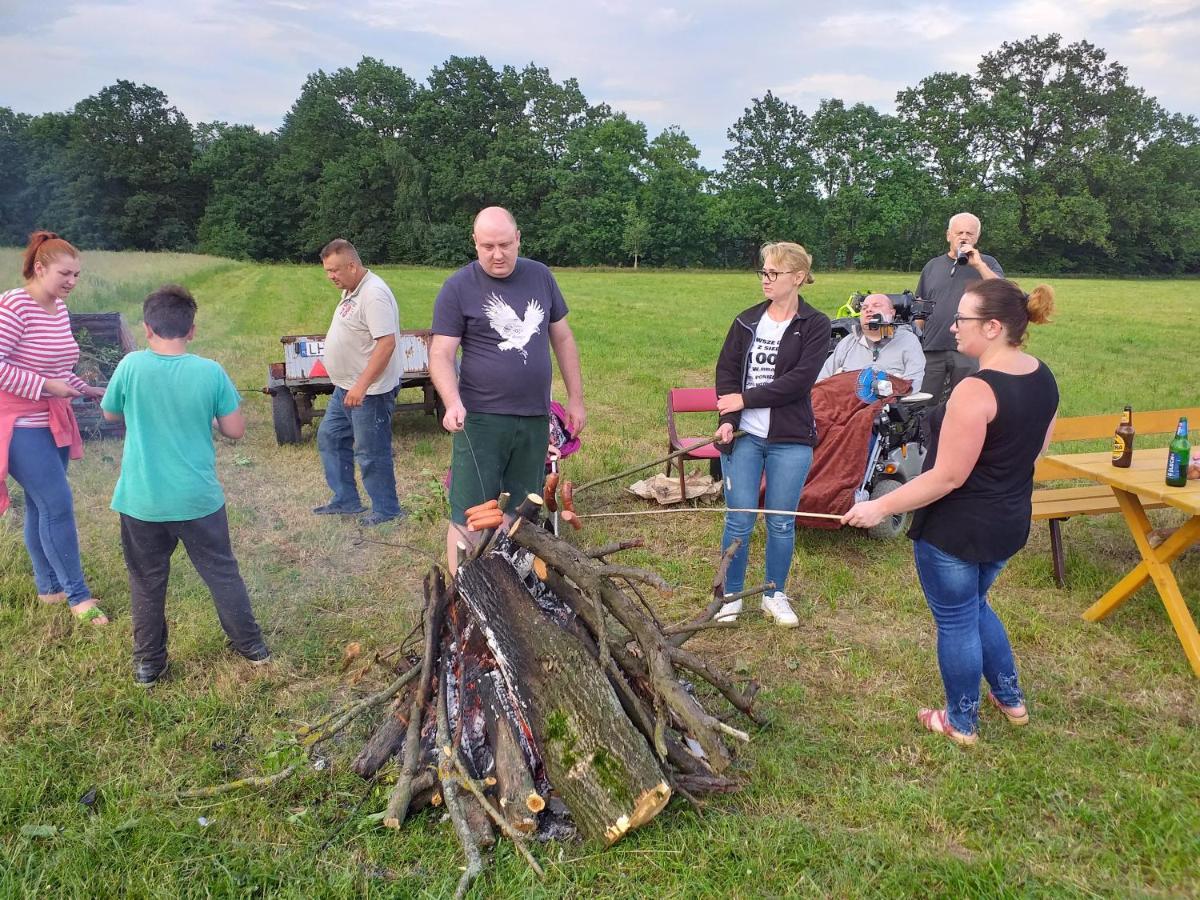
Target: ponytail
pixel 44 247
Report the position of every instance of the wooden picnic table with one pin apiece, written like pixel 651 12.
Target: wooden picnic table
pixel 1144 480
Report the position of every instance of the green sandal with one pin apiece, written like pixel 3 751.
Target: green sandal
pixel 89 612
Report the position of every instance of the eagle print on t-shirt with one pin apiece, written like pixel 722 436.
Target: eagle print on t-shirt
pixel 516 331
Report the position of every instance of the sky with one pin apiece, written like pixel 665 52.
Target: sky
pixel 696 65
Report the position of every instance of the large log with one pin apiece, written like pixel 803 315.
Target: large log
pixel 596 759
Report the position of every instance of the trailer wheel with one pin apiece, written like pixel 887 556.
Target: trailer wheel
pixel 287 418
pixel 892 526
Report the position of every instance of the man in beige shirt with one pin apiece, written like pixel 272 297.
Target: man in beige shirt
pixel 363 362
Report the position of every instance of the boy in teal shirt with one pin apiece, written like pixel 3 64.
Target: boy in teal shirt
pixel 168 489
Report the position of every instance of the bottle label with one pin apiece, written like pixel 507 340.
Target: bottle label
pixel 1118 446
pixel 1176 465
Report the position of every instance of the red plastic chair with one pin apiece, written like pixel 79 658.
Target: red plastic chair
pixel 691 400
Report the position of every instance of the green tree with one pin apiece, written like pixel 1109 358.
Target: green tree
pixel 128 171
pixel 16 215
pixel 766 186
pixel 679 212
pixel 581 221
pixel 241 220
pixel 1060 114
pixel 636 232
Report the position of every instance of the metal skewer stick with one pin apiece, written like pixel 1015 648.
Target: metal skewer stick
pixel 707 509
pixel 657 462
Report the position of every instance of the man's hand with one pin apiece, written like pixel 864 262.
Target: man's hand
pixel 354 396
pixel 864 515
pixel 725 433
pixel 730 403
pixel 974 257
pixel 94 392
pixel 576 416
pixel 454 418
pixel 56 387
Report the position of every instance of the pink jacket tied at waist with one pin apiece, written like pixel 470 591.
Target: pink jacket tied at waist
pixel 63 428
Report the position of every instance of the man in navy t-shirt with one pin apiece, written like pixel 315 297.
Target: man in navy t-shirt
pixel 506 313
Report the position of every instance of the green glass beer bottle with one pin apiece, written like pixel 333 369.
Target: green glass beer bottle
pixel 1177 455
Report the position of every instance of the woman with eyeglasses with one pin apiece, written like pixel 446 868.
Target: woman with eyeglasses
pixel 765 373
pixel 973 499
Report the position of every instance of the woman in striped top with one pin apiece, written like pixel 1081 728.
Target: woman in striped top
pixel 38 432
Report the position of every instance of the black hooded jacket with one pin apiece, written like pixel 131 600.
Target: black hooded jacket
pixel 802 352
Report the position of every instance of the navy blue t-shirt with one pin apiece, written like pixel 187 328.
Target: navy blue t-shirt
pixel 504 326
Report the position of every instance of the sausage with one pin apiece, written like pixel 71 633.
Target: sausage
pixel 475 510
pixel 572 518
pixel 549 491
pixel 568 496
pixel 484 522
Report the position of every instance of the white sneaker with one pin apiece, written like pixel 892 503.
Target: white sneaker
pixel 777 607
pixel 729 612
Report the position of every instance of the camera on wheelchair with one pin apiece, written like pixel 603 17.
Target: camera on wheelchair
pixel 909 309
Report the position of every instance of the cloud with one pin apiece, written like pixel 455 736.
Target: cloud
pixel 697 64
pixel 849 86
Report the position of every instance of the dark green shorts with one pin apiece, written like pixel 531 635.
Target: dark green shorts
pixel 495 453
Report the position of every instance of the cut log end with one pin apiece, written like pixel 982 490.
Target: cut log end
pixel 648 805
pixel 535 802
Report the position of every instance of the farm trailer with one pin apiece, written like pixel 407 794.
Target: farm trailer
pixel 294 383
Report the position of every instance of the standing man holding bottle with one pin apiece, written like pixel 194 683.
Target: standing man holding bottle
pixel 943 281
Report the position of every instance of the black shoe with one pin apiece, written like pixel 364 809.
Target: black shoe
pixel 329 509
pixel 148 675
pixel 259 656
pixel 374 518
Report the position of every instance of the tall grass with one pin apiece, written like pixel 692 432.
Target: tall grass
pixel 845 794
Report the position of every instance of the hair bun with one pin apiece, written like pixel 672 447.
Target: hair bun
pixel 1039 304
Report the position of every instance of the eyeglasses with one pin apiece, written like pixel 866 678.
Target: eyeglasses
pixel 772 277
pixel 958 319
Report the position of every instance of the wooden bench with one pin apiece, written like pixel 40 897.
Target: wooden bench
pixel 1056 505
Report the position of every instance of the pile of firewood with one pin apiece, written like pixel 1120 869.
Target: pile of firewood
pixel 549 698
pixel 548 701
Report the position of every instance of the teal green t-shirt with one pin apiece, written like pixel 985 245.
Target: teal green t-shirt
pixel 169 467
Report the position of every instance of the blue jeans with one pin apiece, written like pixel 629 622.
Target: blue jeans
pixel 361 434
pixel 971 640
pixel 40 468
pixel 787 467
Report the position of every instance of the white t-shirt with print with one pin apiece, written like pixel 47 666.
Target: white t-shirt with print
pixel 760 370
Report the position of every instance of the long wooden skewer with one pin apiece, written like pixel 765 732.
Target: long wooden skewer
pixel 707 509
pixel 658 462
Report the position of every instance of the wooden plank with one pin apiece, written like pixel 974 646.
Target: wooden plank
pixel 1150 421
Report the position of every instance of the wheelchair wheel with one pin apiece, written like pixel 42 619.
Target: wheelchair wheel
pixel 893 526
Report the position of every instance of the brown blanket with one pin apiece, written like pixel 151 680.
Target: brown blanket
pixel 840 458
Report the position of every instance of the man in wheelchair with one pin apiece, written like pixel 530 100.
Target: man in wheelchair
pixel 871 439
pixel 878 340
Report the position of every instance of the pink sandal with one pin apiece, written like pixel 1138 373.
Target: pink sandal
pixel 1016 715
pixel 936 720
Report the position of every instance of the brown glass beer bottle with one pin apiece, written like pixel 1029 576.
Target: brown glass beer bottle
pixel 1122 448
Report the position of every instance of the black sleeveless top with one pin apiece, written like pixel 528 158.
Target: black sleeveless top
pixel 987 518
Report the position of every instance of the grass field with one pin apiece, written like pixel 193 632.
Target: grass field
pixel 846 795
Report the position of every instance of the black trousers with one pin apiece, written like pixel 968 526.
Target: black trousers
pixel 943 370
pixel 148 547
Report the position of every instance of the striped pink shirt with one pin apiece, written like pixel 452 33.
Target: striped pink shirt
pixel 35 345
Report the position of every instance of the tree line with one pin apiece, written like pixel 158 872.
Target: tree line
pixel 1070 167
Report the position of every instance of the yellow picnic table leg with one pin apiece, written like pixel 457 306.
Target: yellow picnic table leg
pixel 1155 566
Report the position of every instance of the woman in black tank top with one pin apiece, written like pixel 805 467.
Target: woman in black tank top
pixel 973 499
